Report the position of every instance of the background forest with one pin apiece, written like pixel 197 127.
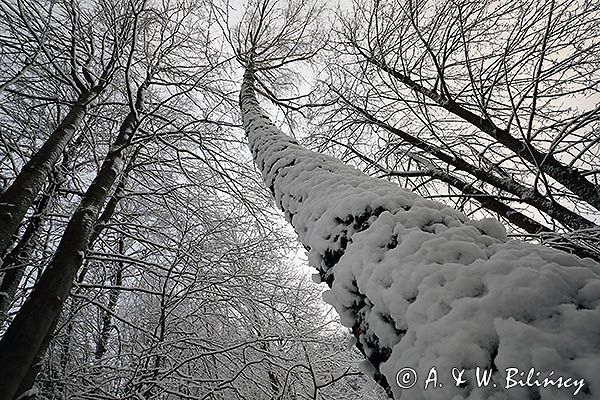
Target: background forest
pixel 125 173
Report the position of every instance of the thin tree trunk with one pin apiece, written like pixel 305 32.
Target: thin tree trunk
pixel 510 214
pixel 14 262
pixel 555 210
pixel 149 383
pixel 113 298
pixel 570 178
pixel 422 286
pixel 490 202
pixel 21 342
pixel 19 196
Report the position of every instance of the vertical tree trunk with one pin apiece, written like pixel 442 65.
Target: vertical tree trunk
pixel 147 385
pixel 422 286
pixel 113 297
pixel 21 342
pixel 19 196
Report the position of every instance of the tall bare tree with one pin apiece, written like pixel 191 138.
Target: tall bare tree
pixel 420 284
pixel 82 64
pixel 35 320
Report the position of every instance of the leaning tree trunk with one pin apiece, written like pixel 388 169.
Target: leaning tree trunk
pixel 23 339
pixel 28 381
pixel 16 260
pixel 19 196
pixel 422 286
pixel 562 214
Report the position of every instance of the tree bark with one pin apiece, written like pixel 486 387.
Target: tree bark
pixel 104 218
pixel 15 261
pixel 19 196
pixel 36 366
pixel 21 342
pixel 422 286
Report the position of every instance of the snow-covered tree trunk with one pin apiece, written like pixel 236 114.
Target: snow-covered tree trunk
pixel 422 286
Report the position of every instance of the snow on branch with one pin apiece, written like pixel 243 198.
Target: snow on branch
pixel 422 286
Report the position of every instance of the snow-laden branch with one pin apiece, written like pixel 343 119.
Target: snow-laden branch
pixel 422 286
